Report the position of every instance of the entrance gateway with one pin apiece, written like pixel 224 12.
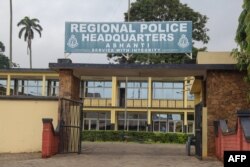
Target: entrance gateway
pixel 107 37
pixel 70 126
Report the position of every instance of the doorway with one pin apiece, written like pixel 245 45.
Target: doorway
pixel 122 97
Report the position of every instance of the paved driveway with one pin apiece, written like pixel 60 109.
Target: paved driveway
pixel 113 155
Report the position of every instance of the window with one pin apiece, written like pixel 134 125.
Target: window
pixel 26 87
pixel 96 121
pixel 190 117
pixel 178 126
pixel 170 126
pixel 98 89
pixel 135 121
pixel 190 127
pixel 167 122
pixel 52 87
pixel 168 90
pixel 33 87
pixel 175 126
pixel 160 122
pixel 3 86
pixel 136 90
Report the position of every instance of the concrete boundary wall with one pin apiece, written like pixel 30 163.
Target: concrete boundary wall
pixel 21 124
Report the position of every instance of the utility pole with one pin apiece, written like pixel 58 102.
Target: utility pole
pixel 10 61
pixel 126 103
pixel 128 10
pixel 126 83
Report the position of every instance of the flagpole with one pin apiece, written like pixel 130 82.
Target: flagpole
pixel 10 60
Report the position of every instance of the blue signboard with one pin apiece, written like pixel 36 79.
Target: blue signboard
pixel 128 37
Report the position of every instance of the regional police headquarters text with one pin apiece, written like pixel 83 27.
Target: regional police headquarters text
pixel 145 37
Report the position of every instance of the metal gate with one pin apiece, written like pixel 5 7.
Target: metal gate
pixel 70 126
pixel 198 130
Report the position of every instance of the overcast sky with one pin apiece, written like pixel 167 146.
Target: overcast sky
pixel 223 20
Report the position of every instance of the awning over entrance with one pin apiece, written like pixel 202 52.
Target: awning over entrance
pixel 138 70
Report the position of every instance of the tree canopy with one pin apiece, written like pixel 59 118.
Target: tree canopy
pixel 242 53
pixel 4 61
pixel 2 47
pixel 164 10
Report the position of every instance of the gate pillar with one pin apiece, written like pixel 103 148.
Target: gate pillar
pixel 69 86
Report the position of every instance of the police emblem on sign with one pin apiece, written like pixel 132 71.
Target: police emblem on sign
pixel 72 42
pixel 183 41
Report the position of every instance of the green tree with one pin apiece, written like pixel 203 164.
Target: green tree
pixel 164 10
pixel 28 27
pixel 2 47
pixel 4 61
pixel 242 53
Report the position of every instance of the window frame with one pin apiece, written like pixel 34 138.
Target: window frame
pixel 106 119
pixel 143 86
pixel 138 120
pixel 163 86
pixel 22 87
pixel 167 123
pixel 104 89
pixel 4 86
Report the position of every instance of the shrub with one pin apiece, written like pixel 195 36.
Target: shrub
pixel 134 136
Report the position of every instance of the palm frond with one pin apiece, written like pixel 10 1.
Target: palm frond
pixel 26 36
pixel 21 32
pixel 38 27
pixel 31 34
pixel 35 20
pixel 38 31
